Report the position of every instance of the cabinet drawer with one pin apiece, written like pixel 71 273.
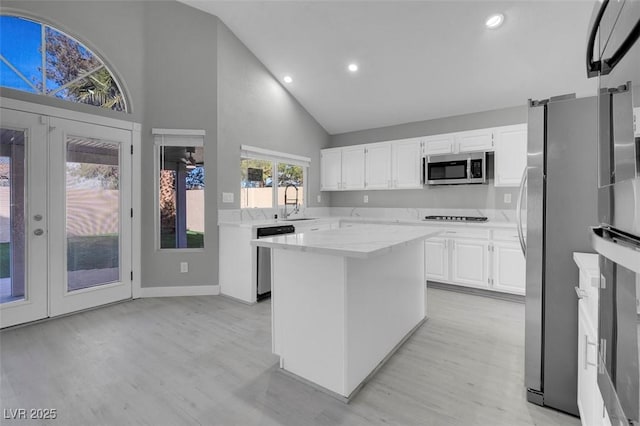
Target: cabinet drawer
pixel 466 233
pixel 507 234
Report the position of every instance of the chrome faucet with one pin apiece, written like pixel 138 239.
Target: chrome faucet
pixel 296 209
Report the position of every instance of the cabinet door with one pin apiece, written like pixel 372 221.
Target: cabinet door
pixel 378 166
pixel 353 167
pixel 439 144
pixel 406 164
pixel 509 268
pixel 475 140
pixel 469 263
pixel 436 259
pixel 330 169
pixel 511 154
pixel 589 400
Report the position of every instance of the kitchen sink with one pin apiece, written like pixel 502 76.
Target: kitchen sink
pixel 298 219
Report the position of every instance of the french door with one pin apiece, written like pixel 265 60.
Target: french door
pixel 65 221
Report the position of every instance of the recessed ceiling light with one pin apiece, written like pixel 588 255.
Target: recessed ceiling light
pixel 494 21
pixel 287 79
pixel 353 67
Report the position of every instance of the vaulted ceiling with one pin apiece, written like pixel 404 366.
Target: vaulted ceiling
pixel 417 60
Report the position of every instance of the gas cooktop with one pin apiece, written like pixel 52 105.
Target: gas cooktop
pixel 457 218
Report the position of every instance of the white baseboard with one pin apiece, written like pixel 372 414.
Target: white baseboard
pixel 189 290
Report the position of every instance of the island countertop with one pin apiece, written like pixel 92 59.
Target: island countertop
pixel 361 242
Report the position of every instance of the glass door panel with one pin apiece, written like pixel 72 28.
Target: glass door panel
pixel 90 197
pixel 12 215
pixel 92 212
pixel 23 237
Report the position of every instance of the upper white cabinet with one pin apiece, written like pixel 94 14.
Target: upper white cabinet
pixel 378 166
pixel 331 169
pixel 510 154
pixel 439 144
pixel 353 167
pixel 475 140
pixel 406 164
pixel 398 164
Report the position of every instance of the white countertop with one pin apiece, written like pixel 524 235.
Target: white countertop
pixel 496 223
pixel 361 242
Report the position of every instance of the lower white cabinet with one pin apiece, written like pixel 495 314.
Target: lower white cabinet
pixel 469 264
pixel 477 261
pixel 509 267
pixel 590 401
pixel 436 255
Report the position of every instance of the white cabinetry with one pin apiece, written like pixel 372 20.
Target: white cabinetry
pixel 489 259
pixel 353 167
pixel 436 252
pixel 636 121
pixel 406 164
pixel 469 264
pixel 509 267
pixel 378 166
pixel 590 403
pixel 475 140
pixel 510 154
pixel 331 169
pixel 439 144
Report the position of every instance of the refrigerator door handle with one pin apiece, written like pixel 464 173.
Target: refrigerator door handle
pixel 594 67
pixel 523 183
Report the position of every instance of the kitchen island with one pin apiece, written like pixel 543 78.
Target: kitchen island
pixel 344 300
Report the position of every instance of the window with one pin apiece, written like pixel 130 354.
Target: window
pixel 261 188
pixel 37 58
pixel 180 189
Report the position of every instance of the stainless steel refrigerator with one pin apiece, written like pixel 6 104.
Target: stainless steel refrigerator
pixel 561 194
pixel 613 56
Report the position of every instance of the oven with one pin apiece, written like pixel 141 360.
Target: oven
pixel 613 55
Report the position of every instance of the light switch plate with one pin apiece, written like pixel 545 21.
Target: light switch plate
pixel 366 199
pixel 319 198
pixel 507 198
pixel 184 267
pixel 227 197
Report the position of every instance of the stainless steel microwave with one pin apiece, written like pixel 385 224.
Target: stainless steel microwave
pixel 455 168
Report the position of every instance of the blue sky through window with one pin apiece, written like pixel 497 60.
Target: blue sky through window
pixel 20 42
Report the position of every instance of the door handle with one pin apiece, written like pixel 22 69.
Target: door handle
pixel 523 243
pixel 581 293
pixel 38 232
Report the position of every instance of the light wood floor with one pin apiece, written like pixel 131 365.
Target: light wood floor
pixel 206 360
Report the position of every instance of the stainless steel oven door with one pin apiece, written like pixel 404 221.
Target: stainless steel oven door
pixel 619 93
pixel 619 328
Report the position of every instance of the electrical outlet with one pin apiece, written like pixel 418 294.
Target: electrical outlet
pixel 227 197
pixel 319 198
pixel 507 198
pixel 366 199
pixel 184 267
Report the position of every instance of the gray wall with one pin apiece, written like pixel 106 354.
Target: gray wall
pixel 165 54
pixel 254 109
pixel 450 196
pixel 184 69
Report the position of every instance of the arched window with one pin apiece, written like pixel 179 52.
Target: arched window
pixel 37 58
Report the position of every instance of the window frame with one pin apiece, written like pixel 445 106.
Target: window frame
pixel 171 137
pixel 52 94
pixel 276 158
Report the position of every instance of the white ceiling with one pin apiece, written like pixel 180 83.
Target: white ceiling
pixel 418 59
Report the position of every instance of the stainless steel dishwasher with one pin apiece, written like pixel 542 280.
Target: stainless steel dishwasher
pixel 263 259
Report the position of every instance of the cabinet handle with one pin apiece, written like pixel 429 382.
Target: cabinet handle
pixel 587 343
pixel 581 293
